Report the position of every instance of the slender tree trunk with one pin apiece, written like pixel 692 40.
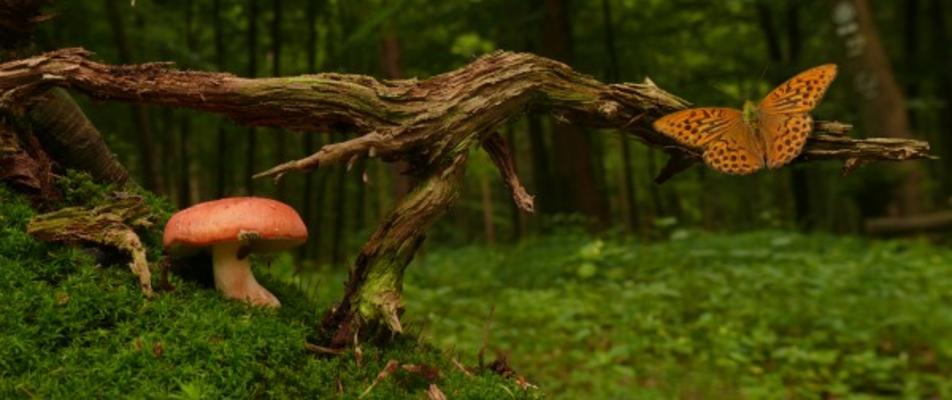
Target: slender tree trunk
pixel 151 168
pixel 627 203
pixel 486 195
pixel 578 189
pixel 939 49
pixel 541 175
pixel 223 150
pixel 787 64
pixel 281 150
pixel 251 148
pixel 390 64
pixel 339 240
pixel 187 194
pixel 882 102
pixel 312 212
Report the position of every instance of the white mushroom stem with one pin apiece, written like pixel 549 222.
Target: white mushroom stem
pixel 233 276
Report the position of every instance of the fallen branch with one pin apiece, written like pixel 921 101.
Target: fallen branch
pixel 431 124
pixel 109 225
pixel 889 226
pixel 403 119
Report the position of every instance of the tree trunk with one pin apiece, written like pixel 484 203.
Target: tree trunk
pixel 338 239
pixel 372 300
pixel 518 220
pixel 187 185
pixel 577 188
pixel 787 64
pixel 280 141
pixel 312 212
pixel 390 64
pixel 223 150
pixel 486 196
pixel 940 51
pixel 882 102
pixel 152 178
pixel 251 148
pixel 627 187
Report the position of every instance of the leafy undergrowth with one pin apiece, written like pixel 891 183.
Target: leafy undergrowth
pixel 758 315
pixel 72 328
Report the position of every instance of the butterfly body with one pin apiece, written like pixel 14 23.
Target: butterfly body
pixel 771 133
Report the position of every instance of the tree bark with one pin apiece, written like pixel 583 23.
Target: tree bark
pixel 280 141
pixel 151 167
pixel 224 151
pixel 577 182
pixel 432 124
pixel 883 105
pixel 627 203
pixel 251 142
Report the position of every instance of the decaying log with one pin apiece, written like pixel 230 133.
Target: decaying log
pixel 923 223
pixel 431 124
pixel 109 225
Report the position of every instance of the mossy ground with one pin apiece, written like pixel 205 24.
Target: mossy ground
pixel 762 315
pixel 71 327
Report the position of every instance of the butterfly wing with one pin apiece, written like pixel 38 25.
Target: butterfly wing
pixel 734 152
pixel 695 127
pixel 784 136
pixel 722 134
pixel 801 93
pixel 785 122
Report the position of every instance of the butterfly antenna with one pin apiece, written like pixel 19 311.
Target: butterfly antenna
pixel 764 72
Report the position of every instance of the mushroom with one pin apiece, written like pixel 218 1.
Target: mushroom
pixel 233 228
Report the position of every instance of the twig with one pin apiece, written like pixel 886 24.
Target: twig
pixel 321 350
pixel 461 367
pixel 434 393
pixel 388 369
pixel 486 331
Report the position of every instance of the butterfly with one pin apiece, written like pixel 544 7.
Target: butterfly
pixel 741 142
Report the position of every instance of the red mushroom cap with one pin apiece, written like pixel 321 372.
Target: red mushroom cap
pixel 266 225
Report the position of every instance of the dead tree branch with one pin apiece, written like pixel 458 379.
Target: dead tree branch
pixel 431 124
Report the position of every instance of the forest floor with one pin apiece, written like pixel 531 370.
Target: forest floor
pixel 701 315
pixel 76 327
pixel 755 315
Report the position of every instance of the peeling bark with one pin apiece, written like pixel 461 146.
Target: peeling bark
pixel 431 124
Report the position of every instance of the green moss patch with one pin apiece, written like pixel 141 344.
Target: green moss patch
pixel 72 326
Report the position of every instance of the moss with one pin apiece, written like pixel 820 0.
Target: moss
pixel 71 328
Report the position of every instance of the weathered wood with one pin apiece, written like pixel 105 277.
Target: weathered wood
pixel 108 225
pixel 431 124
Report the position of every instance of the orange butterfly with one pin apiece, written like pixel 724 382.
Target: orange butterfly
pixel 772 133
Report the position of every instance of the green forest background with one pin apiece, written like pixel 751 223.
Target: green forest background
pixel 709 286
